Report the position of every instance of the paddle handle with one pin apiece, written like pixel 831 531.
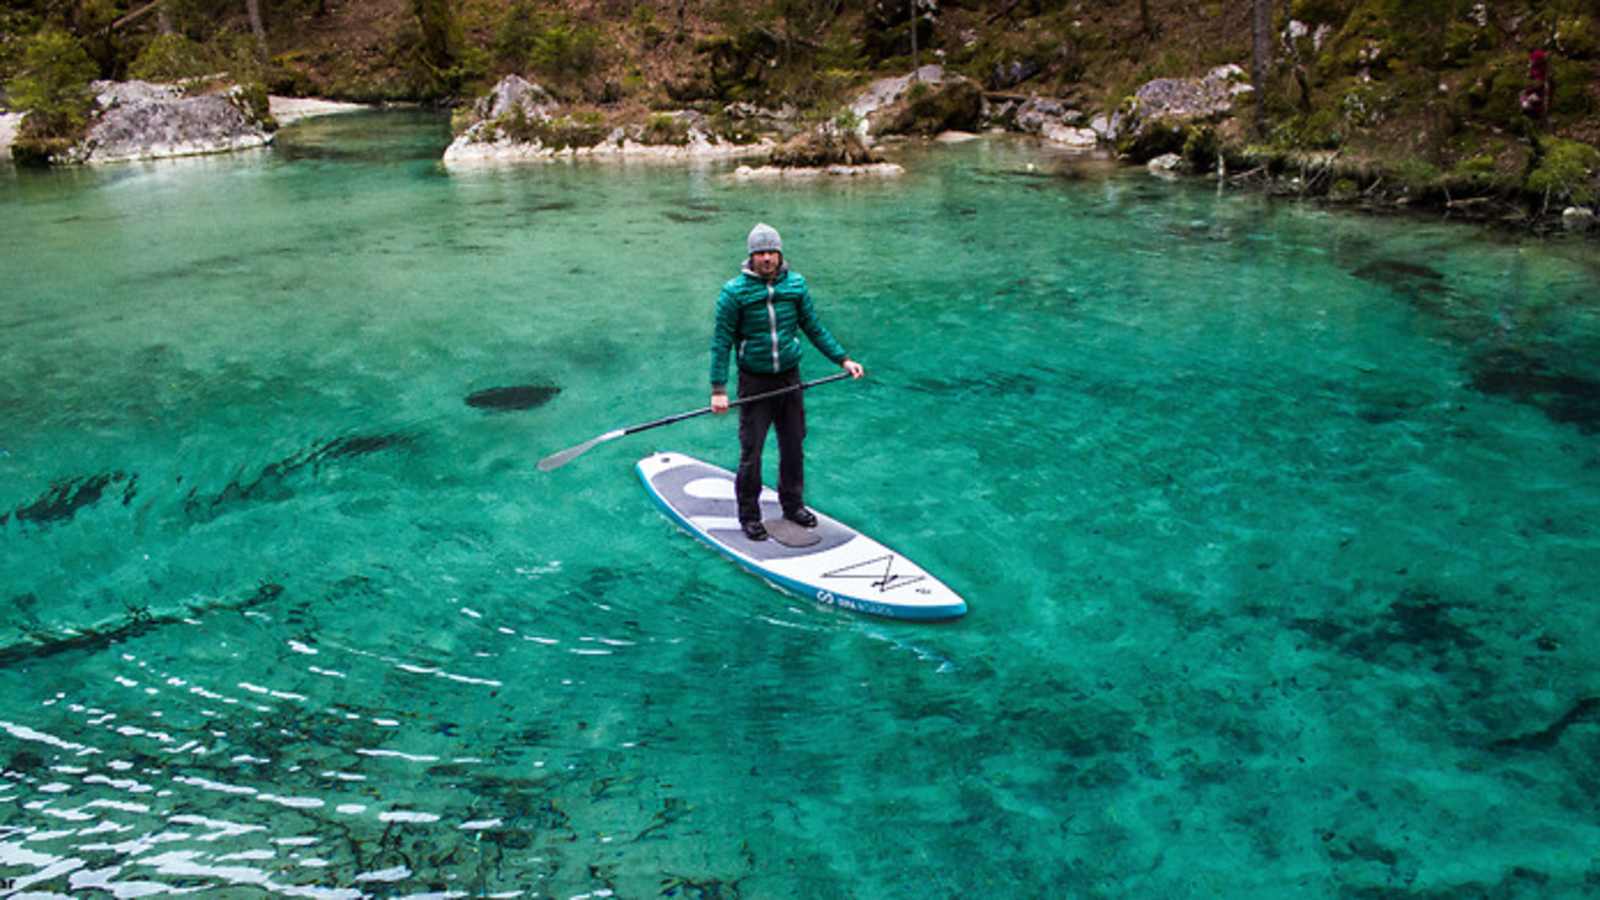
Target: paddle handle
pixel 635 429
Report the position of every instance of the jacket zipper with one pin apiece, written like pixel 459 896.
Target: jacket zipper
pixel 772 323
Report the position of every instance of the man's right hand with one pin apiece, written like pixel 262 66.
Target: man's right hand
pixel 719 402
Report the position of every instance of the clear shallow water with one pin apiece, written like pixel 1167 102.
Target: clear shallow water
pixel 1278 528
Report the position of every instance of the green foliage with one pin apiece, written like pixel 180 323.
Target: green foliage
pixel 1200 146
pixel 846 120
pixel 1344 190
pixel 739 61
pixel 582 130
pixel 1321 12
pixel 1418 177
pixel 1492 96
pixel 1571 95
pixel 1477 176
pixel 438 46
pixel 665 129
pixel 651 33
pixel 1322 129
pixel 172 57
pixel 15 25
pixel 1463 40
pixel 1382 36
pixel 253 100
pixel 1566 171
pixel 1578 37
pixel 516 34
pixel 55 87
pixel 565 48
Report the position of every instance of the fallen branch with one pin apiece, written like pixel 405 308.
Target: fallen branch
pixel 136 14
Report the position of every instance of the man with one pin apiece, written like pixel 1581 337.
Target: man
pixel 759 316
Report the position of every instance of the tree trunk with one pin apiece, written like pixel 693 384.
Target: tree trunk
pixel 1261 58
pixel 915 56
pixel 1144 18
pixel 163 21
pixel 254 7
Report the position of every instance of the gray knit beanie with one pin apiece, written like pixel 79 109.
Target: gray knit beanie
pixel 764 237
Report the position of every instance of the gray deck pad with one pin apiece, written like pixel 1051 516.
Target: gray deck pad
pixel 790 534
pixel 672 485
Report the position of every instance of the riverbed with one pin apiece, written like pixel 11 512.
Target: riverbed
pixel 1277 528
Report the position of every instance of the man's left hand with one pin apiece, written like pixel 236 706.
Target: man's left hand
pixel 853 367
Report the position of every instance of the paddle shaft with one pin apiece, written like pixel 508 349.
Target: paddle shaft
pixel 739 402
pixel 557 460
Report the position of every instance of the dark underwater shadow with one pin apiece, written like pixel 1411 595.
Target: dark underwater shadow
pixel 514 397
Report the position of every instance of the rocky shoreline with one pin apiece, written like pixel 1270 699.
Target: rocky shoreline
pixel 1176 127
pixel 138 120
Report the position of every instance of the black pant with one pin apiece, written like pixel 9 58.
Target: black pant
pixel 788 412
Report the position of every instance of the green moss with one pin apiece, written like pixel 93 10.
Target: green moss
pixel 1462 41
pixel 1492 96
pixel 1566 171
pixel 567 132
pixel 1152 139
pixel 1578 37
pixel 1344 190
pixel 1417 176
pixel 1572 95
pixel 666 129
pixel 252 99
pixel 1200 146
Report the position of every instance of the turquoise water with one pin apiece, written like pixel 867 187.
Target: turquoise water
pixel 1278 527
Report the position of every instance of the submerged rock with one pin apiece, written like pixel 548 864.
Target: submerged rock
pixel 1563 396
pixel 1167 165
pixel 521 396
pixel 881 170
pixel 65 498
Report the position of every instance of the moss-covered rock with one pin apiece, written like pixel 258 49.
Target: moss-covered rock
pixel 826 145
pixel 1565 171
pixel 953 104
pixel 555 133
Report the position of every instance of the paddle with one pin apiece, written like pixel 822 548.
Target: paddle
pixel 557 460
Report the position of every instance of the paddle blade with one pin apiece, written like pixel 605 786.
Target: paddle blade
pixel 557 460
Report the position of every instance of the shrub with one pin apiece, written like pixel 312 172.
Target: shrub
pixel 583 130
pixel 1577 37
pixel 1566 172
pixel 1320 12
pixel 517 33
pixel 566 48
pixel 55 87
pixel 666 129
pixel 172 57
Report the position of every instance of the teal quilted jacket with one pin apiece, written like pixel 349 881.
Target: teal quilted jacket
pixel 761 322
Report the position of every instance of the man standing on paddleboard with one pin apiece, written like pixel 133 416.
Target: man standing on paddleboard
pixel 760 314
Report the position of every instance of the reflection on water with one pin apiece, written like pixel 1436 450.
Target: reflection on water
pixel 1276 528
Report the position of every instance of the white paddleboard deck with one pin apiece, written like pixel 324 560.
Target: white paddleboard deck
pixel 844 568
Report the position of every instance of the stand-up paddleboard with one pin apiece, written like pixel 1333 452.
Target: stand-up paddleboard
pixel 832 563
